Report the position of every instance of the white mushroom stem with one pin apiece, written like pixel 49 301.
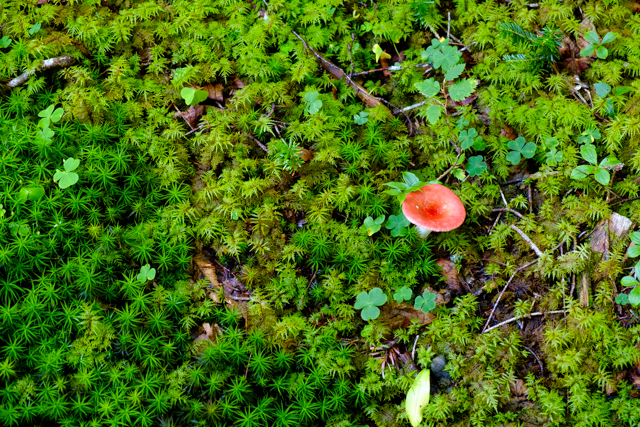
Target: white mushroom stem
pixel 423 232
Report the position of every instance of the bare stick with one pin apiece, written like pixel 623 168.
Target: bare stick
pixel 260 144
pixel 413 352
pixel 513 319
pixel 516 213
pixel 526 239
pixel 539 362
pixel 503 290
pixel 393 68
pixel 60 61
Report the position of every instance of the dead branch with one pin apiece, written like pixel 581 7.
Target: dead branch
pixel 60 61
pixel 526 239
pixel 513 319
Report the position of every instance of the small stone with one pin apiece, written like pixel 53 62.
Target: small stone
pixel 438 364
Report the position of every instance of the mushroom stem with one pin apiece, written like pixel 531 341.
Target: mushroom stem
pixel 423 232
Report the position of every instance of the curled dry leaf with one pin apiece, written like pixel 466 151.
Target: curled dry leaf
pixel 450 274
pixel 209 333
pixel 214 91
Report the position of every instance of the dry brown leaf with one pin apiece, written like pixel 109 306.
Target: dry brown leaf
pixel 450 274
pixel 208 271
pixel 306 155
pixel 209 333
pixel 518 388
pixel 508 132
pixel 214 91
pixel 193 115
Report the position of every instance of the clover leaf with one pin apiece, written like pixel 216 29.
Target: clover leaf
pixel 373 225
pixel 433 113
pixel 596 45
pixel 467 138
pixel 398 224
pixel 425 302
pixel 35 28
pixel 5 42
pixel 30 193
pixel 146 273
pixel 589 135
pixel 51 114
pixel 622 299
pixel 462 89
pixel 367 301
pixel 313 104
pixel 462 123
pixel 520 147
pixel 554 157
pixel 428 88
pixel 192 96
pixel 403 294
pixel 361 118
pixel 475 166
pixel 441 55
pixel 602 89
pixel 67 177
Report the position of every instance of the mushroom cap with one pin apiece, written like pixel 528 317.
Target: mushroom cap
pixel 434 207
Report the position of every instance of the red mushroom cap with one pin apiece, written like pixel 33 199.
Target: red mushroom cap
pixel 434 207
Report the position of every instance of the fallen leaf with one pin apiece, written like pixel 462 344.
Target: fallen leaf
pixel 306 155
pixel 450 274
pixel 210 333
pixel 508 132
pixel 193 115
pixel 214 91
pixel 518 388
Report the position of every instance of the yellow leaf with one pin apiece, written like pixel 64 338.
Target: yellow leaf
pixel 418 397
pixel 380 53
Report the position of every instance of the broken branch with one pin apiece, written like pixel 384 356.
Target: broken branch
pixel 60 61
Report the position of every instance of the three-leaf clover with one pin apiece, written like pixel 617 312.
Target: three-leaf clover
pixel 313 104
pixel 589 135
pixel 5 42
pixel 67 177
pixel 403 294
pixel 554 156
pixel 469 138
pixel 193 96
pixel 596 45
pixel 475 166
pixel 50 115
pixel 360 118
pixel 373 225
pixel 602 175
pixel 367 301
pixel 520 148
pixel 441 55
pixel 622 299
pixel 398 224
pixel 34 28
pixel 146 273
pixel 425 302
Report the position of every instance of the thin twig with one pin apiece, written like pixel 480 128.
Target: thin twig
pixel 306 290
pixel 246 372
pixel 60 61
pixel 413 351
pixel 260 144
pixel 539 362
pixel 513 319
pixel 393 68
pixel 495 305
pixel 516 213
pixel 526 239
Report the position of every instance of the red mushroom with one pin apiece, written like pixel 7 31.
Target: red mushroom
pixel 433 208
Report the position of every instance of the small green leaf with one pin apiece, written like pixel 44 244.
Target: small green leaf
pixel 454 72
pixel 67 178
pixel 418 397
pixel 466 138
pixel 622 299
pixel 592 37
pixel 628 281
pixel 588 152
pixel 373 225
pixel 35 28
pixel 5 42
pixel 582 171
pixel 398 224
pixel 602 89
pixel 634 251
pixel 313 104
pixel 368 302
pixel 529 150
pixel 588 50
pixel 361 118
pixel 634 296
pixel 192 96
pixel 146 273
pixel 433 113
pixel 602 52
pixel 403 294
pixel 602 176
pixel 31 193
pixel 475 166
pixel 462 89
pixel 426 302
pixel 479 144
pixel 609 37
pixel 458 173
pixel 428 88
pixel 514 157
pixel 635 237
pixel 410 179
